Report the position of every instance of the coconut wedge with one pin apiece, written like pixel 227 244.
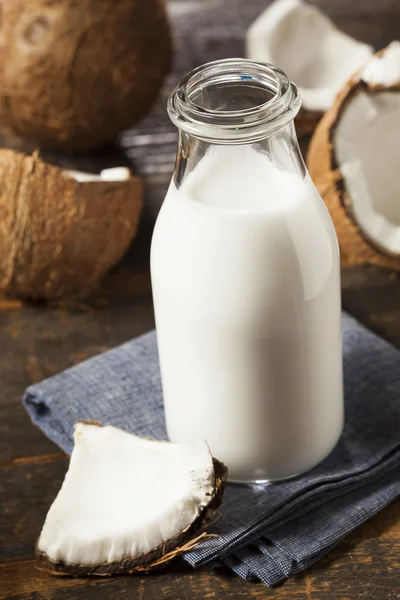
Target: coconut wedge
pixel 61 230
pixel 301 40
pixel 128 503
pixel 354 161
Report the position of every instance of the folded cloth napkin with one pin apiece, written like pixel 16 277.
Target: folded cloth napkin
pixel 266 532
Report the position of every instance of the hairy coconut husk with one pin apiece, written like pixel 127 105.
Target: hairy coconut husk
pixel 58 236
pixel 322 165
pixel 158 557
pixel 75 74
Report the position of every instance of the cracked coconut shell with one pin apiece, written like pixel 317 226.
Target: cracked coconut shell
pixel 75 74
pixel 129 504
pixel 303 41
pixel 59 235
pixel 353 161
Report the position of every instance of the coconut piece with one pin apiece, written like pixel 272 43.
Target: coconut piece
pixel 353 159
pixel 128 503
pixel 75 74
pixel 306 45
pixel 60 231
pixel 112 174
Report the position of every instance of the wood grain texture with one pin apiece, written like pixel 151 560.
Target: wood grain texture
pixel 38 341
pixel 365 567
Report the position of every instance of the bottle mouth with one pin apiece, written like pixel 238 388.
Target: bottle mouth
pixel 233 101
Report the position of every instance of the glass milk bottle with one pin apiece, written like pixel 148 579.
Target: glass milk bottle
pixel 246 280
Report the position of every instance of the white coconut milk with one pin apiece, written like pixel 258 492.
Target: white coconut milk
pixel 245 275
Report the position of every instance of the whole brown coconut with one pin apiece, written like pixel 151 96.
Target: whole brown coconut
pixel 73 74
pixel 58 235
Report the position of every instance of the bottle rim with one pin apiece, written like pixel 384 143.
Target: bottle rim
pixel 245 125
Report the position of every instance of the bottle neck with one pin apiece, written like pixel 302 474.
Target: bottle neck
pixel 280 149
pixel 233 101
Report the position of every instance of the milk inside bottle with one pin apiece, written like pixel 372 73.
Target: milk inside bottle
pixel 246 280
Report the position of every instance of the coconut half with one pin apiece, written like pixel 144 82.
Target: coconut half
pixel 128 503
pixel 354 161
pixel 306 45
pixel 61 230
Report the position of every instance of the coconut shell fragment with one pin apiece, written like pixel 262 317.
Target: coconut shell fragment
pixel 58 235
pixel 129 504
pixel 359 244
pixel 300 39
pixel 158 557
pixel 75 74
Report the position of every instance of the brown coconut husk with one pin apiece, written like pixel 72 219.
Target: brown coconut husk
pixel 355 248
pixel 306 121
pixel 186 540
pixel 59 236
pixel 75 74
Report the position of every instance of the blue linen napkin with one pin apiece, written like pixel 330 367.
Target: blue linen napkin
pixel 266 532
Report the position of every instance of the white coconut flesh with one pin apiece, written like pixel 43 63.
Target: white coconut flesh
pixel 366 143
pixel 306 45
pixel 123 496
pixel 112 174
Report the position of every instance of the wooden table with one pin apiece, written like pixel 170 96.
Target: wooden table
pixel 39 341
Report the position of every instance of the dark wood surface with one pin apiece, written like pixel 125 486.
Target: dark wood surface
pixel 38 341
